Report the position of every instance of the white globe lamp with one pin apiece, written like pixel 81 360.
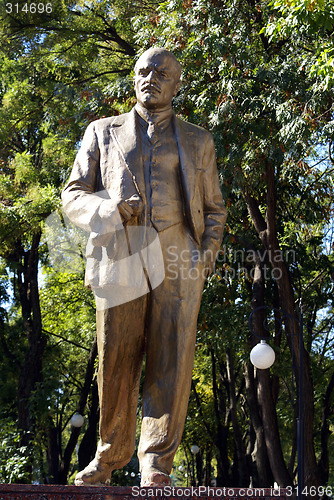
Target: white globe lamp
pixel 77 420
pixel 194 449
pixel 262 355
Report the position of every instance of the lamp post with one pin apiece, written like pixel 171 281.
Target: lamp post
pixel 262 356
pixel 195 452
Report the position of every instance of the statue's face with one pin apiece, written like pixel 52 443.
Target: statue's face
pixel 156 81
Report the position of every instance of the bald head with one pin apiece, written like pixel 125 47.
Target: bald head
pixel 174 63
pixel 157 78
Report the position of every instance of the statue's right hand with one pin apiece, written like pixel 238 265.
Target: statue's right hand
pixel 131 207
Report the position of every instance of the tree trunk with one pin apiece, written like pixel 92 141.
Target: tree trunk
pixel 261 473
pixel 223 478
pixel 53 454
pixel 31 372
pixel 264 390
pixel 88 443
pixel 327 411
pixel 271 432
pixel 241 459
pixel 199 469
pixel 207 473
pixel 71 444
pixel 268 235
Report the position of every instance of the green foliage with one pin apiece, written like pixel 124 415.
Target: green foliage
pixel 69 321
pixel 309 23
pixel 13 457
pixel 260 77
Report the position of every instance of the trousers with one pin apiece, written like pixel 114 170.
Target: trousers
pixel 157 331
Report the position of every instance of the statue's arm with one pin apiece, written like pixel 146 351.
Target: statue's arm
pixel 91 210
pixel 214 209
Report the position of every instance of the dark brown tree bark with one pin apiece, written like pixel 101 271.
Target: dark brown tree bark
pixel 223 478
pixel 31 370
pixel 71 444
pixel 208 467
pixel 53 454
pixel 267 231
pixel 199 468
pixel 261 470
pixel 327 411
pixel 240 452
pixel 220 434
pixel 264 389
pixel 88 443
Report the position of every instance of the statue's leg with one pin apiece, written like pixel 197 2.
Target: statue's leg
pixel 171 336
pixel 120 337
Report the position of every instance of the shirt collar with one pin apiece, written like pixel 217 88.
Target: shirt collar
pixel 157 117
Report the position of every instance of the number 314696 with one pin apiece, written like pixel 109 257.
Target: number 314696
pixel 32 8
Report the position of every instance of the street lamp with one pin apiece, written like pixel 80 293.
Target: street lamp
pixel 194 449
pixel 262 356
pixel 77 420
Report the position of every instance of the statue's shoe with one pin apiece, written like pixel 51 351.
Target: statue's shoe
pixel 95 474
pixel 154 477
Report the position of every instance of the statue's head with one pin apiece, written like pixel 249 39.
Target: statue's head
pixel 157 78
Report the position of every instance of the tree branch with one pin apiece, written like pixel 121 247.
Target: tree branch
pixel 199 406
pixel 65 339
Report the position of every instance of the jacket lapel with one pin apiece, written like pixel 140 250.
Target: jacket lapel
pixel 126 136
pixel 188 149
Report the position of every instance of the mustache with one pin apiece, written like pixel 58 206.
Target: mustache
pixel 150 87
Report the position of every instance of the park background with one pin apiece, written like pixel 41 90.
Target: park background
pixel 259 76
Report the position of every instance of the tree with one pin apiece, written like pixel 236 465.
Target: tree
pixel 46 61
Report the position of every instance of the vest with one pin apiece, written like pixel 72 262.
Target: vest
pixel 162 174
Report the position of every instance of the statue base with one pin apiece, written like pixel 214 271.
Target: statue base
pixel 55 492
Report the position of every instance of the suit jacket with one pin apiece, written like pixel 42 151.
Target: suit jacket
pixel 109 168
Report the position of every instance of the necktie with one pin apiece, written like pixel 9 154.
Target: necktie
pixel 152 132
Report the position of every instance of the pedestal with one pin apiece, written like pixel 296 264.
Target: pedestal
pixel 53 492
